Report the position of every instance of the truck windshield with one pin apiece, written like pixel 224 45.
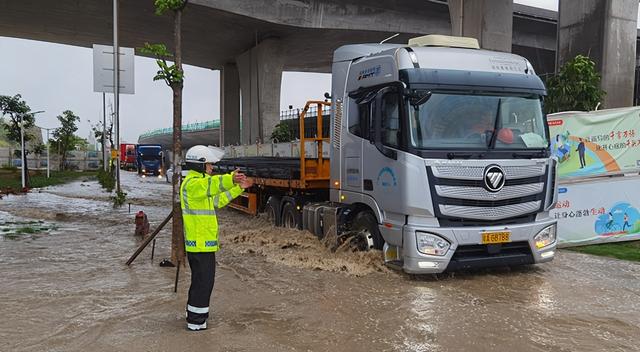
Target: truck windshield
pixel 473 122
pixel 150 157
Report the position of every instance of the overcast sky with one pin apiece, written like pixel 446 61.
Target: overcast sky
pixel 55 77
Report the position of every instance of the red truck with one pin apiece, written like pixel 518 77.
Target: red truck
pixel 127 156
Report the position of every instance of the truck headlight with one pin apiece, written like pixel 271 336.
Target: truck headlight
pixel 545 237
pixel 431 244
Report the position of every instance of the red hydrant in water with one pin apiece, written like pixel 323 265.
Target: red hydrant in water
pixel 142 224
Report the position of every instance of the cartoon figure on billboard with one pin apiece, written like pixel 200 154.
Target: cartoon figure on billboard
pixel 622 219
pixel 561 147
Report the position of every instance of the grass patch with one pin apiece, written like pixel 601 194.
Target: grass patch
pixel 621 250
pixel 39 179
pixel 14 230
pixel 26 230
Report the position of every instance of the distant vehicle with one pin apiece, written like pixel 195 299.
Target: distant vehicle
pixel 149 159
pixel 169 174
pixel 128 156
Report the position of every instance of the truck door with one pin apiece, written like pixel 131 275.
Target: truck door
pixel 359 122
pixel 383 169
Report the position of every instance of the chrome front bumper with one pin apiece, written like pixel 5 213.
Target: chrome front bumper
pixel 467 251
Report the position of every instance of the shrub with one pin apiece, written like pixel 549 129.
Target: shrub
pixel 119 198
pixel 106 180
pixel 575 87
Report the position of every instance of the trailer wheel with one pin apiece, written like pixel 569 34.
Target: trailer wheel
pixel 271 210
pixel 290 217
pixel 366 224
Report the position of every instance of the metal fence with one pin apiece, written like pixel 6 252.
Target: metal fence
pixel 292 119
pixel 288 117
pixel 196 126
pixel 76 160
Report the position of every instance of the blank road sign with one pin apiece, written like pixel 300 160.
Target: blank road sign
pixel 103 69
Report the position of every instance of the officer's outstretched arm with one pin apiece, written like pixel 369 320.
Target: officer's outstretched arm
pixel 204 187
pixel 222 199
pixel 223 182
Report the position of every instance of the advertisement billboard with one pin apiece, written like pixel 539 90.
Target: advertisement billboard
pixel 596 143
pixel 600 210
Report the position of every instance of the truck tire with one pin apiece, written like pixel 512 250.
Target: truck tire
pixel 272 210
pixel 290 218
pixel 367 224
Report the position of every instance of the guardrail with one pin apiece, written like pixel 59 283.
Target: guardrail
pixel 191 127
pixel 290 117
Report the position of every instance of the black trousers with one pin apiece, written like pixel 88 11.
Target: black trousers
pixel 203 271
pixel 583 161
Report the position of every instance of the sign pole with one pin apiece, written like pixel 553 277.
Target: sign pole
pixel 104 133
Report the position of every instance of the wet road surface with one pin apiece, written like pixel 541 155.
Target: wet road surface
pixel 64 287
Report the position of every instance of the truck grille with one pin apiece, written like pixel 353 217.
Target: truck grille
pixel 459 194
pixel 482 256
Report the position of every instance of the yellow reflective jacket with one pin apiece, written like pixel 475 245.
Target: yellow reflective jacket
pixel 200 196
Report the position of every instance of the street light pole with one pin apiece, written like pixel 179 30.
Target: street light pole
pixel 48 174
pixel 22 161
pixel 48 160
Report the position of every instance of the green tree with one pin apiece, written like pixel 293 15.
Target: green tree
pixel 18 112
pixel 173 76
pixel 281 133
pixel 575 87
pixel 98 131
pixel 38 149
pixel 81 143
pixel 64 139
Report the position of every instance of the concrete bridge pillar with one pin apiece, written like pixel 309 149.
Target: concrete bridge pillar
pixel 229 105
pixel 260 71
pixel 489 21
pixel 604 30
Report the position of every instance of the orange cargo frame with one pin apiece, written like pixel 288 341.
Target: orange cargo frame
pixel 314 172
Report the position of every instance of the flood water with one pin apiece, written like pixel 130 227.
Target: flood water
pixel 64 287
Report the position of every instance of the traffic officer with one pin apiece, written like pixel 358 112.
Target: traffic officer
pixel 200 195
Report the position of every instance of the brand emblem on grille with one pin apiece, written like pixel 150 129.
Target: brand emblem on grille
pixel 493 178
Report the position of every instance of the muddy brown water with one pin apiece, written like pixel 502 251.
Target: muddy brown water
pixel 64 287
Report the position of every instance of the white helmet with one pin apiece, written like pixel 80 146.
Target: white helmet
pixel 202 154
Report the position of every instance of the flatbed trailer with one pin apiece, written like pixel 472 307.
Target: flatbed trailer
pixel 282 185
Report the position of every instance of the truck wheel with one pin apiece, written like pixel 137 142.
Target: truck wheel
pixel 370 238
pixel 290 217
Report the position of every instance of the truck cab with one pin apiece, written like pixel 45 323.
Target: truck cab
pixel 445 146
pixel 149 160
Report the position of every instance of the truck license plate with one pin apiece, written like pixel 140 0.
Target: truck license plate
pixel 496 237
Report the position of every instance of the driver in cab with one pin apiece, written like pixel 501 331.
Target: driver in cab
pixel 484 122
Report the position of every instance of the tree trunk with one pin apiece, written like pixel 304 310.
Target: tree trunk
pixel 177 237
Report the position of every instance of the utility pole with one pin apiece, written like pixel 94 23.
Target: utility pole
pixel 116 88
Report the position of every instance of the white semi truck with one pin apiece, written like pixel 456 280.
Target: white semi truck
pixel 438 156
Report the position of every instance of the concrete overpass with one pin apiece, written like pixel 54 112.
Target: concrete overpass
pixel 252 42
